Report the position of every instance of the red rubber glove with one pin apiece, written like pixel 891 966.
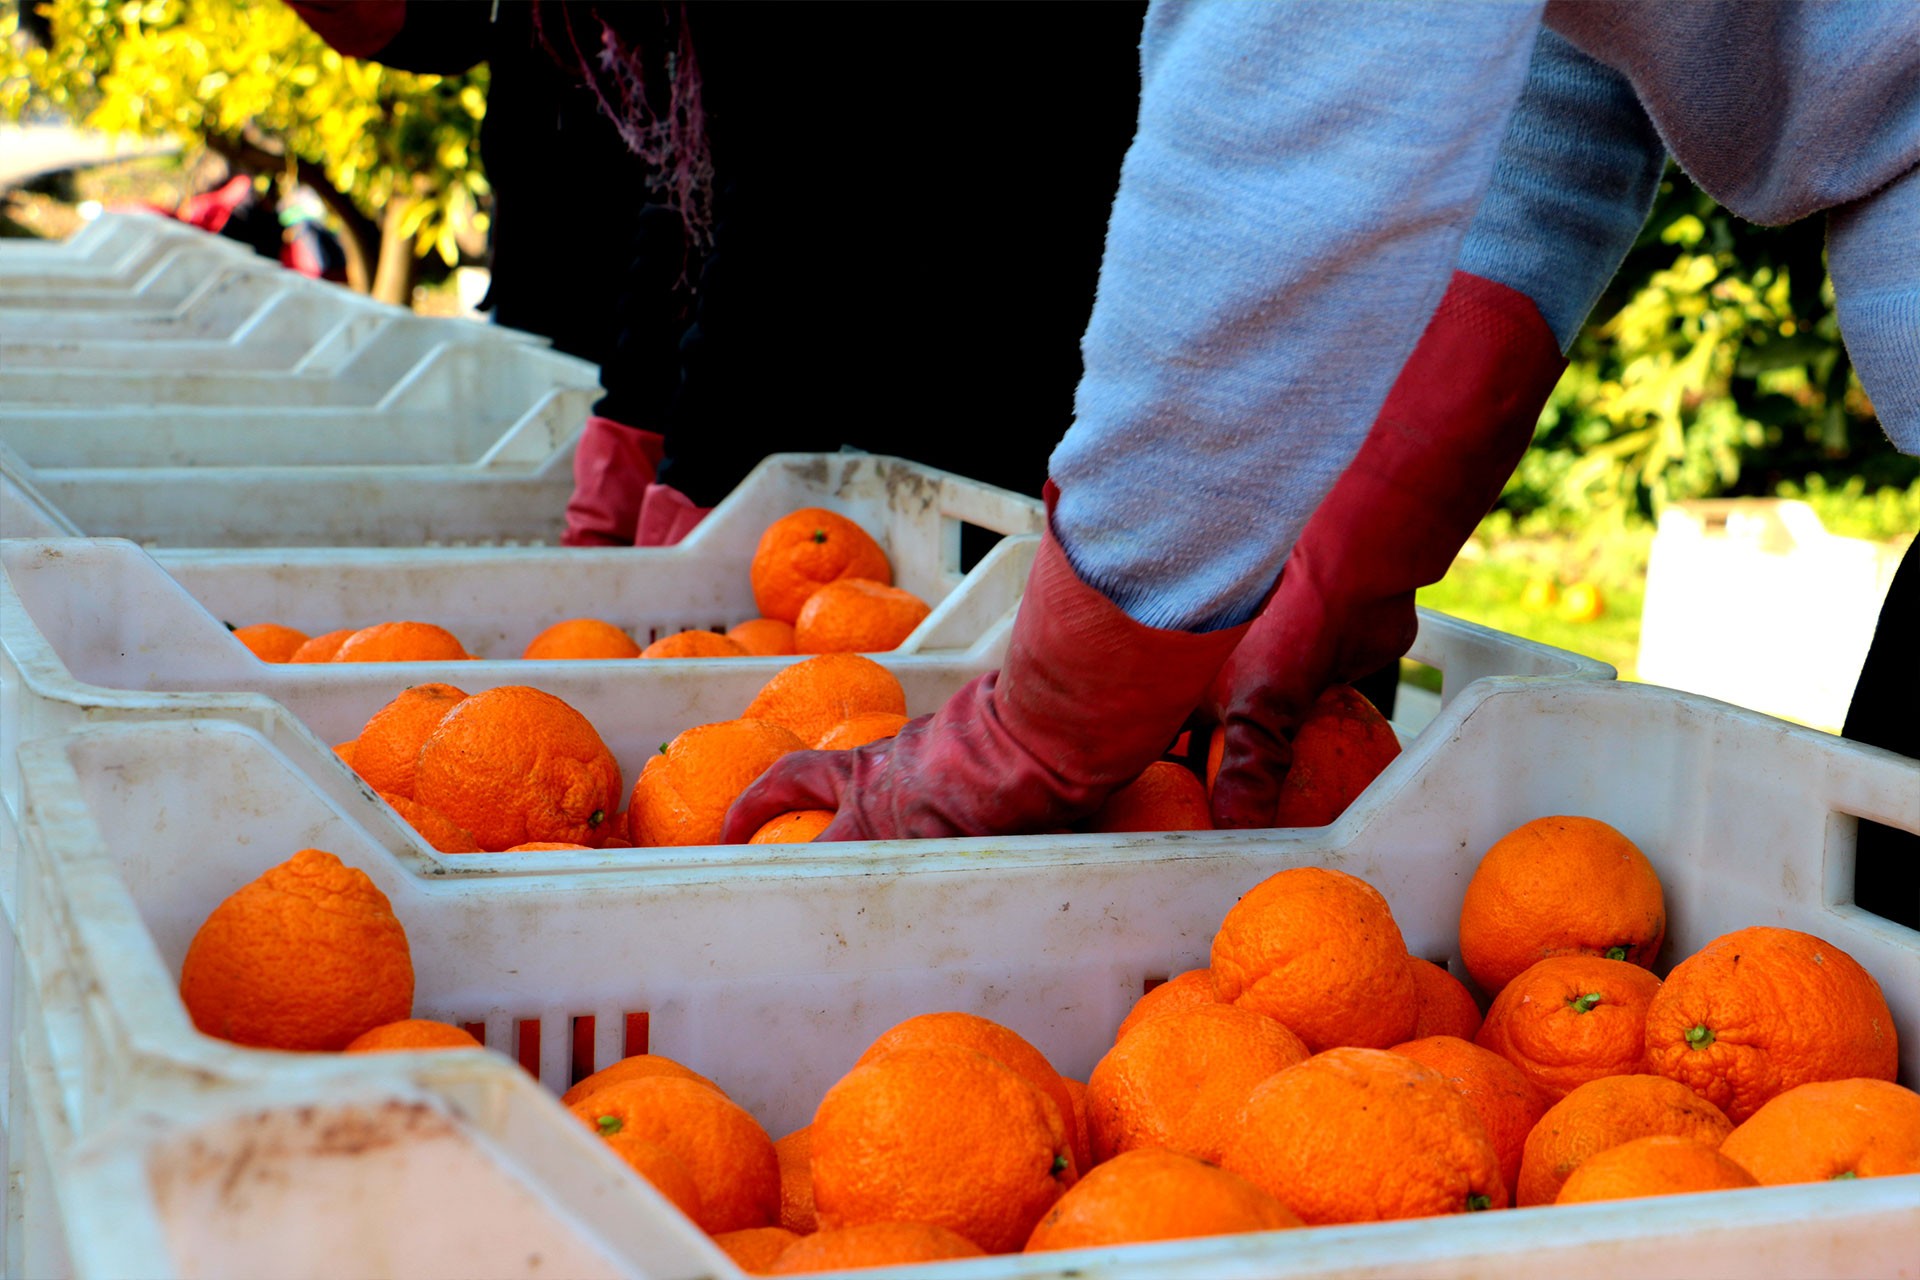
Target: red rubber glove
pixel 666 516
pixel 1086 700
pixel 356 28
pixel 1451 432
pixel 612 467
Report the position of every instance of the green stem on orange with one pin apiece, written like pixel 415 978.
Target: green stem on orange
pixel 1699 1037
pixel 1616 953
pixel 1478 1201
pixel 1059 1166
pixel 1585 1003
pixel 1845 1175
pixel 609 1125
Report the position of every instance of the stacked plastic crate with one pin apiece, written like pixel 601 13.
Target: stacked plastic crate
pixel 152 766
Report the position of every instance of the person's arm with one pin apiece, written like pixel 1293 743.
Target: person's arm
pixel 1577 173
pixel 1287 219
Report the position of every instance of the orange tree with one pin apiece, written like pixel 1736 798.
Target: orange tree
pixel 393 155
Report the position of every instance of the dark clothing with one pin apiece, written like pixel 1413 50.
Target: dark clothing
pixel 1885 712
pixel 910 204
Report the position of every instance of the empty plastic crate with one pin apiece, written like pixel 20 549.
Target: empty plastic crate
pixel 769 969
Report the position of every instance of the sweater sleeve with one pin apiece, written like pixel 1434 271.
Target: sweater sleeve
pixel 1288 216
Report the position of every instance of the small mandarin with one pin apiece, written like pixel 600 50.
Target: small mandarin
pixel 1659 1165
pixel 798 827
pixel 1151 1194
pixel 1165 797
pixel 1077 1130
pixel 694 644
pixel 441 833
pixel 802 552
pixel 858 731
pixel 581 638
pixel 1340 747
pixel 1559 885
pixel 1758 1011
pixel 1447 1008
pixel 270 642
pixel 347 750
pixel 940 1134
pixel 1179 1080
pixel 812 696
pixel 1182 991
pixel 683 793
pixel 390 742
pixel 638 1066
pixel 413 1033
pixel 401 642
pixel 1605 1113
pixel 795 1152
pixel 1318 950
pixel 763 637
pixel 729 1154
pixel 1509 1104
pixel 873 1244
pixel 513 765
pixel 1570 1019
pixel 857 615
pixel 1855 1128
pixel 1363 1135
pixel 544 846
pixel 756 1249
pixel 322 647
pixel 667 1172
pixel 307 956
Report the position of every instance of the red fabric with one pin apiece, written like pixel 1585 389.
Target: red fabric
pixel 612 467
pixel 210 209
pixel 1086 700
pixel 356 28
pixel 1451 432
pixel 666 516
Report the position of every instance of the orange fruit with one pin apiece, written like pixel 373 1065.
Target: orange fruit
pixel 694 644
pixel 515 764
pixel 813 695
pixel 614 833
pixel 1659 1165
pixel 307 956
pixel 1858 1128
pixel 1363 1135
pixel 270 642
pixel 798 827
pixel 1605 1113
pixel 1077 1126
pixel 401 642
pixel 1179 1080
pixel 1446 1007
pixel 1509 1104
pixel 666 1171
pixel 639 1066
pixel 857 615
pixel 873 1244
pixel 1556 886
pixel 983 1035
pixel 544 846
pixel 1341 746
pixel 413 1033
pixel 1182 991
pixel 1570 1019
pixel 1757 1011
pixel 801 552
pixel 939 1134
pixel 683 793
pixel 1150 1194
pixel 858 731
pixel 322 647
pixel 347 750
pixel 1165 797
pixel 763 637
pixel 390 742
pixel 795 1152
pixel 441 833
pixel 581 638
pixel 756 1249
pixel 1318 950
pixel 729 1154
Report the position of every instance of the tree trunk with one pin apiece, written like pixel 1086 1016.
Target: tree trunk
pixel 393 278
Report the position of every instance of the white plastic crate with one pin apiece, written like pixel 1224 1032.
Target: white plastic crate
pixel 130 1123
pixel 120 263
pixel 103 241
pixel 216 308
pixel 172 278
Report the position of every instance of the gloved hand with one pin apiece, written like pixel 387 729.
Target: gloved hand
pixel 613 465
pixel 1449 435
pixel 1087 698
pixel 666 516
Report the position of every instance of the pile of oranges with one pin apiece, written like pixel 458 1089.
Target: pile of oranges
pixel 1314 1073
pixel 821 582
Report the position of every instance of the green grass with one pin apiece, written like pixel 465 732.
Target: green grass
pixel 1489 585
